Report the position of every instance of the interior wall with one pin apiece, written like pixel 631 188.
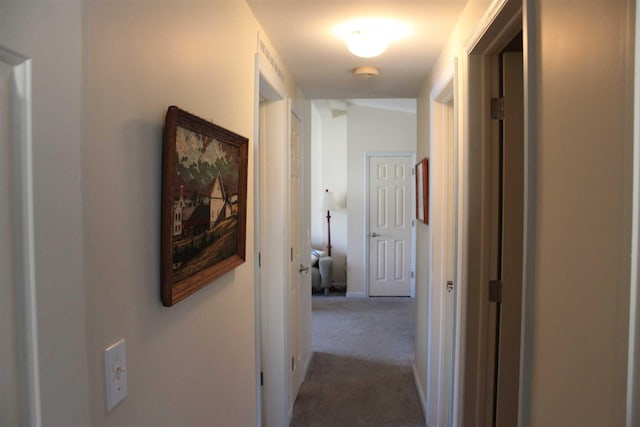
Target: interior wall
pixel 317 230
pixel 423 249
pixel 578 286
pixel 369 130
pixel 193 363
pixel 50 34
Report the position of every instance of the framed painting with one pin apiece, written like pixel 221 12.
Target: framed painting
pixel 422 191
pixel 204 204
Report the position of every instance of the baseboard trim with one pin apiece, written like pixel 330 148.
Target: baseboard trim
pixel 356 294
pixel 421 393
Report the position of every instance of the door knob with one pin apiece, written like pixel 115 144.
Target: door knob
pixel 303 268
pixel 374 235
pixel 449 286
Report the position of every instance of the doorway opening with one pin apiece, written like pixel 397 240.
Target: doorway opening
pixel 493 248
pixel 346 136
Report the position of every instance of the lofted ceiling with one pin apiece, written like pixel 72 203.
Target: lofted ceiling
pixel 302 31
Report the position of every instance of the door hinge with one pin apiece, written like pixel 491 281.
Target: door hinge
pixel 293 364
pixel 259 260
pixel 413 222
pixel 412 274
pixel 413 171
pixel 497 108
pixel 495 291
pixel 291 254
pixel 261 378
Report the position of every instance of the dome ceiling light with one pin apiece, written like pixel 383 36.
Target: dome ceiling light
pixel 370 37
pixel 367 43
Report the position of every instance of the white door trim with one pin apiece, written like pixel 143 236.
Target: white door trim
pixel 633 384
pixel 442 96
pixel 256 239
pixel 24 213
pixel 365 245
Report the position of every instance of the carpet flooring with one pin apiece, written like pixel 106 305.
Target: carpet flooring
pixel 360 372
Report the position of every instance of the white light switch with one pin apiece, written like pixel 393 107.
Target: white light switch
pixel 115 372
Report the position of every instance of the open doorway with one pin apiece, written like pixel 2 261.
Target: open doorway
pixel 493 144
pixel 364 347
pixel 346 136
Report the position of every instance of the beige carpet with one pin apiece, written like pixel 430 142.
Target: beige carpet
pixel 360 373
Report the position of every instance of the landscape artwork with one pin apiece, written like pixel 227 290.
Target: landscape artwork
pixel 204 204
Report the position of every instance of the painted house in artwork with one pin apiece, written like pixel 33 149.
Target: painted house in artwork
pixel 219 205
pixel 195 220
pixel 191 219
pixel 178 213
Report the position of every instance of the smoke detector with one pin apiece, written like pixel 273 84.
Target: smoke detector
pixel 366 72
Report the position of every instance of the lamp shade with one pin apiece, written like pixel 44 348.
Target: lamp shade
pixel 328 201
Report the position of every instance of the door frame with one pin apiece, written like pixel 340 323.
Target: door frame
pixel 633 369
pixel 368 156
pixel 442 99
pixel 270 334
pixel 473 341
pixel 24 301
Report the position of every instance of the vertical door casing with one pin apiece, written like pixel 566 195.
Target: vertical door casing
pixel 448 330
pixel 10 402
pixel 512 242
pixel 19 375
pixel 390 230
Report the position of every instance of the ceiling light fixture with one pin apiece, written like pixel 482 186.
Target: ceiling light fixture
pixel 369 37
pixel 366 72
pixel 367 43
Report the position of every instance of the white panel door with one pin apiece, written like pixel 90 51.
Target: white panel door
pixel 296 268
pixel 390 214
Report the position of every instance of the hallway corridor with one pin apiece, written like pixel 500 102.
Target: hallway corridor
pixel 360 373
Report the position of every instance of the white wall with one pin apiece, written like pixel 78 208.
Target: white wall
pixel 317 230
pixel 193 363
pixel 331 173
pixel 368 130
pixel 50 33
pixel 578 281
pixel 422 257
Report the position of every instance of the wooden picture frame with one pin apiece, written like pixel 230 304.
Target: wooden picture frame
pixel 422 191
pixel 204 204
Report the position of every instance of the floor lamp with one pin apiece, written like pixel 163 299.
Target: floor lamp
pixel 328 204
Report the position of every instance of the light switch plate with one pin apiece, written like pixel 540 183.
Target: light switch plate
pixel 115 372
